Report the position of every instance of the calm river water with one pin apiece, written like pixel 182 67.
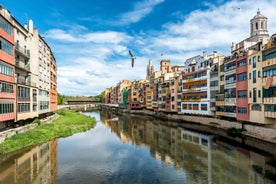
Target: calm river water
pixel 131 149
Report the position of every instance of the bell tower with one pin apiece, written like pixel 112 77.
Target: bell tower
pixel 258 27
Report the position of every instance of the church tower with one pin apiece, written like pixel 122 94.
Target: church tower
pixel 150 69
pixel 258 27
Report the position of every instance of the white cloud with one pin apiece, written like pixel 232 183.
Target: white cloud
pixel 96 37
pixel 141 9
pixel 89 62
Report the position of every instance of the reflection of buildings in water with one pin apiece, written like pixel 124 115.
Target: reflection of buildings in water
pixel 39 165
pixel 197 156
pixel 238 165
pixel 204 159
pixel 262 169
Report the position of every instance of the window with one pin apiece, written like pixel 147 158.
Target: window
pixel 242 63
pixel 259 93
pixel 241 76
pixel 43 105
pixel 184 106
pixel 23 93
pixel 242 110
pixel 214 83
pixel 250 61
pixel 5 69
pixel 230 109
pixel 242 94
pixel 254 76
pixel 256 107
pixel 195 107
pixel 270 72
pixel 6 46
pixel 259 58
pixel 230 78
pixel 6 107
pixel 230 93
pixel 23 107
pixel 270 92
pixel 270 55
pixel 172 98
pixel 259 74
pixel 249 75
pixel 229 66
pixel 204 107
pixel 6 26
pixel 254 62
pixel 254 94
pixel 270 108
pixel 6 87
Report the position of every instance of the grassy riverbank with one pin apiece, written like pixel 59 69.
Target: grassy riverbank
pixel 67 124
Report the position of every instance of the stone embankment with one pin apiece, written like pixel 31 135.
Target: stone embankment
pixel 9 133
pixel 258 132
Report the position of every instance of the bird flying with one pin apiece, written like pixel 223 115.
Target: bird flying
pixel 132 58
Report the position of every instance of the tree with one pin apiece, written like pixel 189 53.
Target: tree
pixel 60 99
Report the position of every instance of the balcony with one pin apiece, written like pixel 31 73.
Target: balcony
pixel 23 51
pixel 219 103
pixel 270 100
pixel 26 81
pixel 270 114
pixel 218 113
pixel 230 101
pixel 269 62
pixel 22 65
pixel 213 108
pixel 230 114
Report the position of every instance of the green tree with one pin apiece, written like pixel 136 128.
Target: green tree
pixel 60 99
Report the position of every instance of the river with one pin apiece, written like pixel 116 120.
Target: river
pixel 133 149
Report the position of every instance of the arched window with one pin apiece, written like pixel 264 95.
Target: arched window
pixel 256 25
pixel 262 25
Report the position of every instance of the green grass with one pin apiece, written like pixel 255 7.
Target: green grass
pixel 67 124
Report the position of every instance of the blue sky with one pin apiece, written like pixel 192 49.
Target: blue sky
pixel 91 38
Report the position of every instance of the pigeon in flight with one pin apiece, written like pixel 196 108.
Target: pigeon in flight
pixel 132 58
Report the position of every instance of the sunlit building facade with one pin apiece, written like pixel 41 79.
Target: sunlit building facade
pixel 196 86
pixel 7 69
pixel 24 71
pixel 26 86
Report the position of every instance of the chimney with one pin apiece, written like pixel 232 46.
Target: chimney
pixel 31 26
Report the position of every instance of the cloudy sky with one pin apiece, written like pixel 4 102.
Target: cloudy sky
pixel 91 38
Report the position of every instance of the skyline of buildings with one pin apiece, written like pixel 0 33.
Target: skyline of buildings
pixel 28 85
pixel 241 86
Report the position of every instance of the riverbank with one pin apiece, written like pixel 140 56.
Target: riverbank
pixel 67 124
pixel 257 132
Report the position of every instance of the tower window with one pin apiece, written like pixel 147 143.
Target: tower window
pixel 262 25
pixel 257 25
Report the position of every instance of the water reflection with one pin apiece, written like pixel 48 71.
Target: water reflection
pixel 131 149
pixel 34 166
pixel 204 158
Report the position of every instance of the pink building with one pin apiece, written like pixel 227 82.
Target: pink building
pixel 242 109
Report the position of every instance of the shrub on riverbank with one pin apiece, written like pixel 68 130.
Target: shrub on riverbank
pixel 67 124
